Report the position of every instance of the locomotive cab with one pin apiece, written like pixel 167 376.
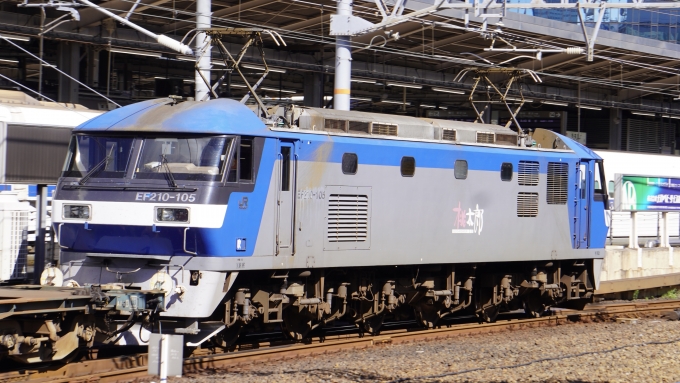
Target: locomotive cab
pixel 179 184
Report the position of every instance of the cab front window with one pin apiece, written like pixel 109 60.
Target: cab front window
pixel 186 158
pixel 98 156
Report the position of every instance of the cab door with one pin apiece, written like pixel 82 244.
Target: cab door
pixel 285 206
pixel 582 198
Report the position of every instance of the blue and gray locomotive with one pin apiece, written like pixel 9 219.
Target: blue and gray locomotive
pixel 315 215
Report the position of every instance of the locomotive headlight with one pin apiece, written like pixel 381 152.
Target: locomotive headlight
pixel 171 214
pixel 76 212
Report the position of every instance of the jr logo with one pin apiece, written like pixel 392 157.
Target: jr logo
pixel 628 198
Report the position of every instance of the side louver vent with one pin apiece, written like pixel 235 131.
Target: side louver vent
pixel 486 138
pixel 347 218
pixel 506 139
pixel 558 175
pixel 335 125
pixel 358 127
pixel 384 129
pixel 527 204
pixel 449 135
pixel 527 173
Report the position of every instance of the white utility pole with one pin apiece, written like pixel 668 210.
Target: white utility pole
pixel 343 61
pixel 203 49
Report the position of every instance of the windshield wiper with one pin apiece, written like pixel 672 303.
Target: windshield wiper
pixel 171 178
pixel 94 169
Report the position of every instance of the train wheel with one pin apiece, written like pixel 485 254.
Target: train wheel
pixel 228 336
pixel 485 309
pixel 428 318
pixel 533 306
pixel 373 325
pixel 294 325
pixel 488 314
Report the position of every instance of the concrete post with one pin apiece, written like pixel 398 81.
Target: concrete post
pixel 664 241
pixel 313 90
pixel 41 218
pixel 69 62
pixel 633 238
pixel 202 21
pixel 93 66
pixel 343 62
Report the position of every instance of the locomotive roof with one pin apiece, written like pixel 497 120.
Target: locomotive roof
pixel 219 116
pixel 226 116
pixel 405 120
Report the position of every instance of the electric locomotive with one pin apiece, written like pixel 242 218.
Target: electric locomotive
pixel 316 215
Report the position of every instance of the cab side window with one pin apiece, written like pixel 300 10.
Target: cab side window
pixel 241 164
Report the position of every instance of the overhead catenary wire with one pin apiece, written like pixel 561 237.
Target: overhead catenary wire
pixel 314 38
pixel 310 37
pixel 58 70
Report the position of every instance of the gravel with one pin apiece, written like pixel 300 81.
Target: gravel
pixel 645 351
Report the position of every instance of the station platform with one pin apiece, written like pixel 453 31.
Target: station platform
pixel 650 271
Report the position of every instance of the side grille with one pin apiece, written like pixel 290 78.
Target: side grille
pixel 558 174
pixel 335 125
pixel 527 173
pixel 527 204
pixel 486 138
pixel 347 218
pixel 506 139
pixel 384 129
pixel 449 135
pixel 358 127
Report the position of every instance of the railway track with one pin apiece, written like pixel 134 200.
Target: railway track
pixel 135 366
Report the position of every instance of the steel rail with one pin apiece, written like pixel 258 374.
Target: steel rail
pixel 135 366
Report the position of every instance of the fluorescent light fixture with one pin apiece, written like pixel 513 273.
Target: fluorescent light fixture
pixel 15 37
pixel 188 81
pixel 395 102
pixel 277 90
pixel 555 103
pixel 669 116
pixel 643 114
pixel 518 99
pixel 161 78
pixel 220 63
pixel 589 107
pixel 5 61
pixel 238 86
pixel 445 90
pixel 414 86
pixel 258 67
pixel 432 106
pixel 135 53
pixel 186 58
pixel 361 80
pixel 360 99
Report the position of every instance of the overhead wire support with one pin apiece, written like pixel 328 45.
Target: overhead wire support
pixel 350 25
